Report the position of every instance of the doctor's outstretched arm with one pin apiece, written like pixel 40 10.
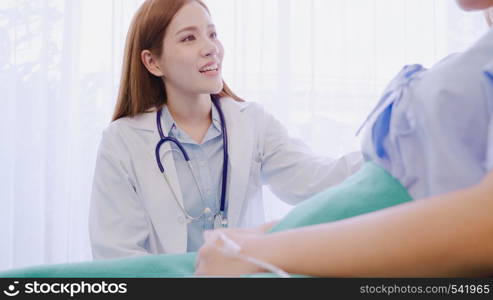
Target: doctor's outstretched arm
pixel 444 236
pixel 293 172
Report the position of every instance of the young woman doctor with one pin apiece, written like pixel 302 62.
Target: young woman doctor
pixel 184 153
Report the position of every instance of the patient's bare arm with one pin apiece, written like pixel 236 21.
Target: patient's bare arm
pixel 448 235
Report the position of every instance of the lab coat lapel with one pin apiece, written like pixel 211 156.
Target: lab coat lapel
pixel 167 217
pixel 240 139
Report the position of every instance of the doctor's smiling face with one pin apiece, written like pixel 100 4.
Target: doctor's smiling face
pixel 192 55
pixel 171 49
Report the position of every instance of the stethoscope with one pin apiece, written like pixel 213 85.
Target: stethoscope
pixel 220 219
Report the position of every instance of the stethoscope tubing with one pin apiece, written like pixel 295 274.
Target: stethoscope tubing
pixel 164 139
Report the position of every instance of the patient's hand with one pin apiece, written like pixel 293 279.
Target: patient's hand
pixel 212 261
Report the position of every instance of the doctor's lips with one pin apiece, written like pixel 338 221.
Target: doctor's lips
pixel 210 69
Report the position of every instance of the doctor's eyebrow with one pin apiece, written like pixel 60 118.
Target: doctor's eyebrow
pixel 194 28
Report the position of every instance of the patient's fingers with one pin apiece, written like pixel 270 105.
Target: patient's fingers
pixel 208 257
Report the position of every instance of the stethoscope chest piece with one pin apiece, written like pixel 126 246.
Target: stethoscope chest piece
pixel 220 221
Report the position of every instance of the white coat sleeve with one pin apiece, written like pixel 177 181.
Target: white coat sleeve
pixel 293 172
pixel 118 223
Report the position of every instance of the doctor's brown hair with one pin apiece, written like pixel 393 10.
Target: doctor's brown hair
pixel 140 91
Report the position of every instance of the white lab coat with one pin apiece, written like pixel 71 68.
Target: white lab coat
pixel 133 211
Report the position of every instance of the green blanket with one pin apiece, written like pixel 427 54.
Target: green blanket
pixel 369 190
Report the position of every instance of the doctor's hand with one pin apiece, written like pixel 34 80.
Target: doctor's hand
pixel 213 260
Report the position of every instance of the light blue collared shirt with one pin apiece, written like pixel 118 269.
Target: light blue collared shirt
pixel 207 165
pixel 433 129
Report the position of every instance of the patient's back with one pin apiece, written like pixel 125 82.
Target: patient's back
pixel 433 129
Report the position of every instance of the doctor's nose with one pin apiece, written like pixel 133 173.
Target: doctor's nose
pixel 210 49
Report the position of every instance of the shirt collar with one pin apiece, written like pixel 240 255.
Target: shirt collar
pixel 168 121
pixel 174 130
pixel 216 120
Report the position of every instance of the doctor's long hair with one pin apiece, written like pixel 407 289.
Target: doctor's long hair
pixel 140 91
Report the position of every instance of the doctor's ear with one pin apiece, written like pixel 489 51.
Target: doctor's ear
pixel 151 64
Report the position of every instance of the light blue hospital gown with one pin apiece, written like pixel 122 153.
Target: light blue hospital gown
pixel 433 129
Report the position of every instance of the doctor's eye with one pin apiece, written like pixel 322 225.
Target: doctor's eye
pixel 213 35
pixel 188 38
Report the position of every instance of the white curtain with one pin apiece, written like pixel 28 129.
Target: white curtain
pixel 318 65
